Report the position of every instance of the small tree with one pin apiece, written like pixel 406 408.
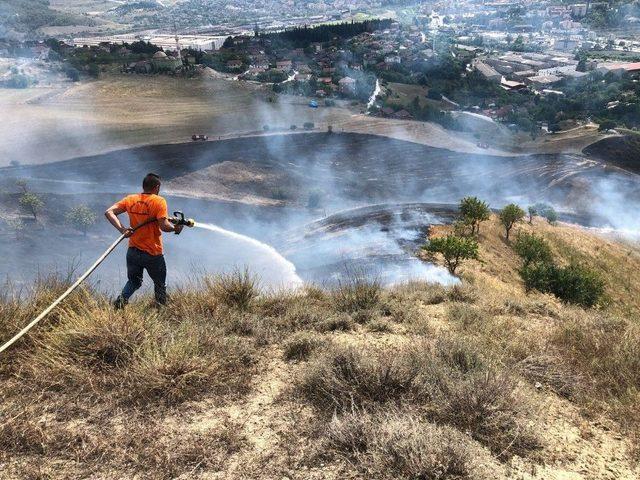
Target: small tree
pixel 32 202
pixel 532 213
pixel 551 215
pixel 454 249
pixel 81 217
pixel 546 211
pixel 509 215
pixel 474 211
pixel 532 249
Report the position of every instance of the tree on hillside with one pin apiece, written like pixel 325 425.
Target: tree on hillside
pixel 532 213
pixel 546 211
pixel 32 202
pixel 474 211
pixel 81 217
pixel 454 250
pixel 509 215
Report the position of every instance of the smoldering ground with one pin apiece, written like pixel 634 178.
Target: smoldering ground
pixel 285 182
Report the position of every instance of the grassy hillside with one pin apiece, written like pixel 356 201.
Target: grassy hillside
pixel 416 381
pixel 29 15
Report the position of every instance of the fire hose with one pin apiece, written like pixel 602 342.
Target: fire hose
pixel 177 219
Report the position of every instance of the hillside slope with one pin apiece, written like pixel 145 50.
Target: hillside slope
pixel 416 381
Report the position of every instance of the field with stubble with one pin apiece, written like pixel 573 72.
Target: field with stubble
pixel 480 380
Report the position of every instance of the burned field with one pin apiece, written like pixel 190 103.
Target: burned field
pixel 349 169
pixel 274 187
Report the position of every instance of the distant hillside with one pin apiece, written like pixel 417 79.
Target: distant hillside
pixel 623 152
pixel 30 15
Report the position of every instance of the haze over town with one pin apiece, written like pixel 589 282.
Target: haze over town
pixel 408 239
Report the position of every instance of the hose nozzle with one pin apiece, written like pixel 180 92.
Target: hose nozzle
pixel 178 219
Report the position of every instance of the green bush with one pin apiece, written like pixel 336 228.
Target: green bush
pixel 572 284
pixel 532 249
pixel 579 284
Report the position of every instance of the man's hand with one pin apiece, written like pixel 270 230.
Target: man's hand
pixel 178 228
pixel 127 232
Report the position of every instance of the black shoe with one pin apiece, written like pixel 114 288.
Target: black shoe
pixel 119 303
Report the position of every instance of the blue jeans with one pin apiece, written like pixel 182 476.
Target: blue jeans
pixel 137 262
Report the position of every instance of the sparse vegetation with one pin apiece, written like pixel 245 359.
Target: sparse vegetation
pixel 452 384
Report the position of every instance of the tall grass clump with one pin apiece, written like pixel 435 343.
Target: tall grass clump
pixel 357 293
pixel 236 289
pixel 302 344
pixel 136 357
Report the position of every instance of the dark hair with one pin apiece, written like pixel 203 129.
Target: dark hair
pixel 150 182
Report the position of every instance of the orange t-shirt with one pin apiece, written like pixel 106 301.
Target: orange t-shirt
pixel 142 207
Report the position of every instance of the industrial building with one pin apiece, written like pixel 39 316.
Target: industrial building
pixel 165 41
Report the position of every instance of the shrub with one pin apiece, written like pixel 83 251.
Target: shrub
pixel 96 341
pixel 539 276
pixel 532 249
pixel 380 326
pixel 466 315
pixel 341 322
pixel 308 125
pixel 572 284
pixel 452 386
pixel 357 292
pixel 344 377
pixel 464 292
pixel 454 249
pixel 400 444
pixel 236 289
pixel 509 215
pixel 474 211
pixel 578 284
pixel 301 344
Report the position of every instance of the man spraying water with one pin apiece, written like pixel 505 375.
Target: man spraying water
pixel 148 218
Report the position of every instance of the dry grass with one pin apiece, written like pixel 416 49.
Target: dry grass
pixel 401 444
pixel 302 344
pixel 444 388
pixel 450 384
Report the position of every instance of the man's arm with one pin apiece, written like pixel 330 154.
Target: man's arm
pixel 112 215
pixel 167 226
